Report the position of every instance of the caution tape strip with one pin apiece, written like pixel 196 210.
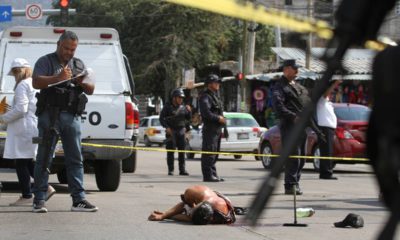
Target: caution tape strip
pixel 222 153
pixel 148 149
pixel 258 13
pixel 249 11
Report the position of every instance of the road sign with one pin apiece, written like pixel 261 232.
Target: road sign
pixel 33 11
pixel 5 13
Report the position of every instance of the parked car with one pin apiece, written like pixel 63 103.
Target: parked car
pixel 349 141
pixel 244 134
pixel 151 131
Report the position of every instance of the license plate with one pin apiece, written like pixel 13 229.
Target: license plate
pixel 243 136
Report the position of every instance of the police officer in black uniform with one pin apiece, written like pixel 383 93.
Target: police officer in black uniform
pixel 211 111
pixel 173 118
pixel 287 102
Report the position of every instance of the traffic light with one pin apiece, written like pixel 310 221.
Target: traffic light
pixel 64 5
pixel 239 76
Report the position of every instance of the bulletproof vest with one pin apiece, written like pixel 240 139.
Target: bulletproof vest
pixel 177 117
pixel 297 96
pixel 66 96
pixel 216 104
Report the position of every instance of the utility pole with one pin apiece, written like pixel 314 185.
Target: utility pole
pixel 309 39
pixel 243 84
pixel 278 39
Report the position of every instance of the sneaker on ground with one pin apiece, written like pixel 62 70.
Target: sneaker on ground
pixel 83 206
pixel 38 207
pixel 50 192
pixel 23 202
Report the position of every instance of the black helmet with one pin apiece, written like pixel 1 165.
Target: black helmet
pixel 212 78
pixel 178 93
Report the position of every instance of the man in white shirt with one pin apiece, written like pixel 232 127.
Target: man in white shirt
pixel 327 123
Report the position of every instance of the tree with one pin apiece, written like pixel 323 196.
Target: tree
pixel 160 39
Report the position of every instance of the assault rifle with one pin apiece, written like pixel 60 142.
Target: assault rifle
pixel 295 103
pixel 49 138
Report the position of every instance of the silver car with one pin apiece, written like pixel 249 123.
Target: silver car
pixel 244 135
pixel 151 131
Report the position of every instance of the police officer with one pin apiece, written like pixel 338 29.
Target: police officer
pixel 58 108
pixel 173 118
pixel 287 103
pixel 211 111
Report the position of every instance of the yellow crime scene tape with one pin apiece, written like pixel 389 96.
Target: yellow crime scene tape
pixel 221 153
pixel 260 14
pixel 269 16
pixel 149 149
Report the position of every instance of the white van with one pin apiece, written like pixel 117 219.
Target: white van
pixel 111 116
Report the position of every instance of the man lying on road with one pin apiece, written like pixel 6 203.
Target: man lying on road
pixel 200 205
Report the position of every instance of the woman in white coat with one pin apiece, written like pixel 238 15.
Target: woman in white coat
pixel 21 127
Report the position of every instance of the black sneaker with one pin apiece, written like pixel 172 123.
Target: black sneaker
pixel 184 173
pixel 38 207
pixel 83 206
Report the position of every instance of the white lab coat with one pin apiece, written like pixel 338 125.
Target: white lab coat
pixel 21 123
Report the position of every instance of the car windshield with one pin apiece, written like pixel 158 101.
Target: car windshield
pixel 242 122
pixel 155 122
pixel 352 113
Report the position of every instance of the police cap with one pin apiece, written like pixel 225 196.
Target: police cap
pixel 178 93
pixel 212 78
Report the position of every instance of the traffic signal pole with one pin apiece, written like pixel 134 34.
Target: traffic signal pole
pixel 46 12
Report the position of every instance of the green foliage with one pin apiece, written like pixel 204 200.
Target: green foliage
pixel 160 39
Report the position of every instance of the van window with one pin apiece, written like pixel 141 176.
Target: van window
pixel 109 73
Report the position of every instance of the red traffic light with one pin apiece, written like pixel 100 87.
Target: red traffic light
pixel 239 76
pixel 64 3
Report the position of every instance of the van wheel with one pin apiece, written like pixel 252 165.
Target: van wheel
pixel 129 163
pixel 108 174
pixel 62 176
pixel 147 142
pixel 237 157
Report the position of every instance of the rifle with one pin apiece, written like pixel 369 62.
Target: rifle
pixel 49 138
pixel 312 123
pixel 218 103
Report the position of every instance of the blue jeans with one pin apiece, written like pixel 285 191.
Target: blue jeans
pixel 69 129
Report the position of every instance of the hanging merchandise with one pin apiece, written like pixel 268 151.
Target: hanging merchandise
pixel 259 97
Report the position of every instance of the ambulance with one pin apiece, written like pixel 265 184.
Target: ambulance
pixel 111 120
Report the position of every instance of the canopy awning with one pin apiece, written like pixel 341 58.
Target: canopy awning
pixel 357 62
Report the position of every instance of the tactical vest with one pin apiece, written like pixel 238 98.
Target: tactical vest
pixel 67 96
pixel 177 117
pixel 216 104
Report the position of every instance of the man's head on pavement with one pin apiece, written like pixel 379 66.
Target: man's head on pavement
pixel 66 46
pixel 202 214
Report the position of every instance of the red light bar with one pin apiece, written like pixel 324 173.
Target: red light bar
pixel 15 34
pixel 106 35
pixel 58 30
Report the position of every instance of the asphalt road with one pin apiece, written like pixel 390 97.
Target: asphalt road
pixel 123 214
